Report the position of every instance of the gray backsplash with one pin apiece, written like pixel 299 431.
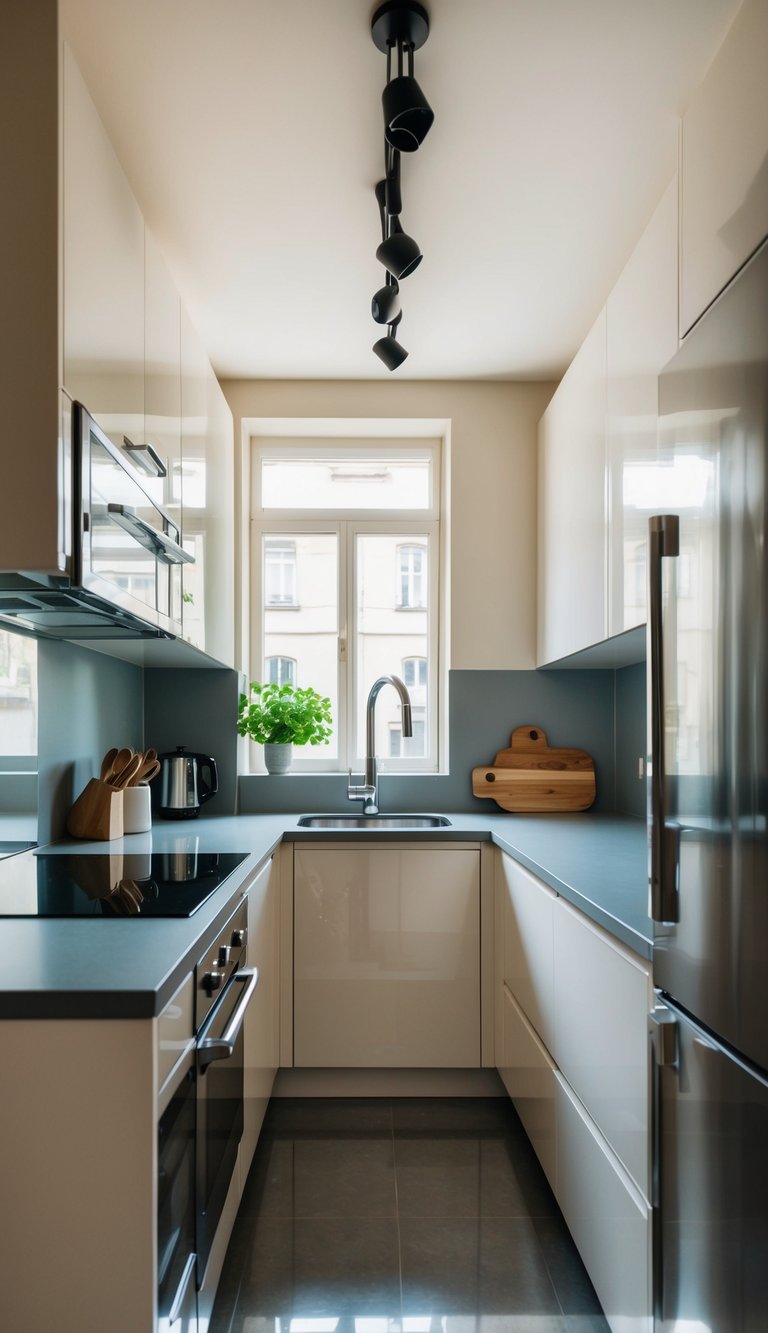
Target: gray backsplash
pixel 601 712
pixel 89 702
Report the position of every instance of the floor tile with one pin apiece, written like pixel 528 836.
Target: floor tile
pixel 447 1115
pixel 323 1177
pixel 491 1266
pixel 318 1268
pixel 467 1177
pixel 332 1115
pixel 570 1278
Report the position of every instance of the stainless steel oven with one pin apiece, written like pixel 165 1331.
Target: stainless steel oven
pixel 176 1289
pixel 224 987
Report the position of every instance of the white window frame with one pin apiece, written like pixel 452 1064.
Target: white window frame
pixel 346 524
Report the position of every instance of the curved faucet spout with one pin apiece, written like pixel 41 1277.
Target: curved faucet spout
pixel 369 793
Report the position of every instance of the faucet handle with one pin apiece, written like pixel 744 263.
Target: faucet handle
pixel 363 793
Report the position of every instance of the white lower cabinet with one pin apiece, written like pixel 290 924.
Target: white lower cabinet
pixel 581 1090
pixel 386 957
pixel 261 1021
pixel 528 1074
pixel 606 1215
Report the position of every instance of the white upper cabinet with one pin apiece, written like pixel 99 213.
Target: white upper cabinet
pixel 207 494
pixel 103 271
pixel 724 164
pixel 162 381
pixel 641 336
pixel 571 549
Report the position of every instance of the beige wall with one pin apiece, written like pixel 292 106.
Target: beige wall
pixel 492 489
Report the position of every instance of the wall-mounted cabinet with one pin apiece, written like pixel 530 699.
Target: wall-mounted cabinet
pixel 724 165
pixel 103 271
pixel 572 527
pixel 641 337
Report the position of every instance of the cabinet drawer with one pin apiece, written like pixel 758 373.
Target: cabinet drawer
pixel 602 997
pixel 606 1216
pixel 527 911
pixel 529 1077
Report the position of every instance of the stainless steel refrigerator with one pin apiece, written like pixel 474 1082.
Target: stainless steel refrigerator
pixel 708 676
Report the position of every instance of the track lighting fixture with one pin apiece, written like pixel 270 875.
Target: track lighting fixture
pixel 390 351
pixel 398 27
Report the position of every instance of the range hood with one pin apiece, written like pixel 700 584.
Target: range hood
pixel 69 613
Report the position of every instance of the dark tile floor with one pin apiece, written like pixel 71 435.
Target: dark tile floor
pixel 400 1216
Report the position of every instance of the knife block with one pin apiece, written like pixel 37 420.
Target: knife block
pixel 97 814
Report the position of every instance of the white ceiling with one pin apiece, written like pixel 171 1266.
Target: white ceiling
pixel 251 132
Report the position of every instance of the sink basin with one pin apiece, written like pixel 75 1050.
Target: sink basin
pixel 373 821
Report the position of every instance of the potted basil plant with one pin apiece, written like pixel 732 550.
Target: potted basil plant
pixel 281 716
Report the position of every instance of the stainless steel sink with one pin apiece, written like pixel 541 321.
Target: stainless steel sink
pixel 373 821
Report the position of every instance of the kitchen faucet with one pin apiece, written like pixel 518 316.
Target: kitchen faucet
pixel 368 793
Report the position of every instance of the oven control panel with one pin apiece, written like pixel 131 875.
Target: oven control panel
pixel 223 957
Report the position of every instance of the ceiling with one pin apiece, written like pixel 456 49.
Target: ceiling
pixel 251 133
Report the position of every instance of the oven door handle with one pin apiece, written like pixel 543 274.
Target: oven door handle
pixel 221 1048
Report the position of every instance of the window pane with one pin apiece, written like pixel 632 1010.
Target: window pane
pixel 18 696
pixel 301 636
pixel 386 640
pixel 341 483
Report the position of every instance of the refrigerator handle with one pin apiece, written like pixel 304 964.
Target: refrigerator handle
pixel 663 1041
pixel 663 541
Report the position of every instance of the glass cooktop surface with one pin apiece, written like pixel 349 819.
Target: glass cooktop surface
pixel 112 885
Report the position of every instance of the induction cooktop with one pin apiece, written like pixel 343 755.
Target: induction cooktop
pixel 112 885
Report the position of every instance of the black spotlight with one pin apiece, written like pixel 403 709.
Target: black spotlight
pixel 385 306
pixel 407 114
pixel 389 350
pixel 399 253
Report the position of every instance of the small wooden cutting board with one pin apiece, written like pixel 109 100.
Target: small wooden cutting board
pixel 530 777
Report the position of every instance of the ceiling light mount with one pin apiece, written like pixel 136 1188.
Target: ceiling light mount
pixel 400 22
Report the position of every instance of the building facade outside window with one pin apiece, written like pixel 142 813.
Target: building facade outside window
pixel 337 527
pixel 281 670
pixel 280 573
pixel 412 577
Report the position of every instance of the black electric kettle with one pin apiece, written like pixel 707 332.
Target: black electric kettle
pixel 182 786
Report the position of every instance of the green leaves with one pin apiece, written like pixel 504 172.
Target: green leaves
pixel 282 714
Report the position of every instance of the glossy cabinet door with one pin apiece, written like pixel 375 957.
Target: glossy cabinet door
pixel 724 157
pixel 603 994
pixel 162 380
pixel 527 910
pixel 207 495
pixel 528 1073
pixel 103 271
pixel 641 337
pixel 571 539
pixel 387 958
pixel 607 1217
pixel 261 1020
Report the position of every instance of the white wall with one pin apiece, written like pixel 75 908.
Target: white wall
pixel 492 489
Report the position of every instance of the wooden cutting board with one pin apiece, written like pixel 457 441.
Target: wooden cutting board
pixel 530 777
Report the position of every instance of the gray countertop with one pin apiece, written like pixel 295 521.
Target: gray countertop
pixel 69 968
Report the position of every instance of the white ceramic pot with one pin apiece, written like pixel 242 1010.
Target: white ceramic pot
pixel 137 812
pixel 278 758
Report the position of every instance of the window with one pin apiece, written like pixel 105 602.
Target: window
pixel 280 573
pixel 415 671
pixel 347 524
pixel 412 577
pixel 281 670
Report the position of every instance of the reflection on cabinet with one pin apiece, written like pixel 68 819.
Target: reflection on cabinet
pixel 103 271
pixel 641 337
pixel 261 1022
pixel 387 957
pixel 207 494
pixel 724 163
pixel 571 538
pixel 581 1091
